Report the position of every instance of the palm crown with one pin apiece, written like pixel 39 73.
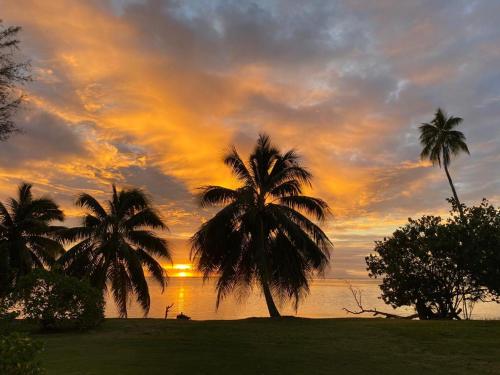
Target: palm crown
pixel 263 233
pixel 27 238
pixel 440 141
pixel 114 244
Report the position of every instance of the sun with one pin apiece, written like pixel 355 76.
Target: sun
pixel 182 266
pixel 180 270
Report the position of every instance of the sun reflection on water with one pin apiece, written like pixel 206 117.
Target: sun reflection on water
pixel 180 299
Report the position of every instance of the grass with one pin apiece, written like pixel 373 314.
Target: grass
pixel 288 346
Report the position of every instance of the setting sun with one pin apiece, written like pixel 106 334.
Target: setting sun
pixel 182 266
pixel 180 270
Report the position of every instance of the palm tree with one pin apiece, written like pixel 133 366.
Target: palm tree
pixel 263 235
pixel 113 244
pixel 441 141
pixel 27 238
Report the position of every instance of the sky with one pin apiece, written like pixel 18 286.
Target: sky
pixel 152 93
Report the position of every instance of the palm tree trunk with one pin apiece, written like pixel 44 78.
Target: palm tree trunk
pixel 271 306
pixel 264 276
pixel 453 190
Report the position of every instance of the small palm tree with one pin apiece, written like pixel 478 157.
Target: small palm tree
pixel 441 141
pixel 27 238
pixel 114 244
pixel 262 234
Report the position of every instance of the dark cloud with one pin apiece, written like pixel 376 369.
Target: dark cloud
pixel 224 35
pixel 167 86
pixel 44 137
pixel 162 186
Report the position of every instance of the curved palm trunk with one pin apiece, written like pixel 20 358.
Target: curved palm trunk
pixel 264 277
pixel 453 190
pixel 271 306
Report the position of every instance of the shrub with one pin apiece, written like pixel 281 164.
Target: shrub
pixel 7 311
pixel 441 267
pixel 18 355
pixel 57 301
pixel 479 232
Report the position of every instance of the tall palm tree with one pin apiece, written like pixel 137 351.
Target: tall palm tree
pixel 441 141
pixel 262 235
pixel 113 244
pixel 27 238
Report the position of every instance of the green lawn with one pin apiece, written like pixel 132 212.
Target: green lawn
pixel 289 346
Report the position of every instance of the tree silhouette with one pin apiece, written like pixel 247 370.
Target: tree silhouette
pixel 27 238
pixel 441 141
pixel 263 235
pixel 114 244
pixel 441 267
pixel 12 73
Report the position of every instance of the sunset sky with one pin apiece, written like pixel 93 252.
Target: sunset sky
pixel 152 93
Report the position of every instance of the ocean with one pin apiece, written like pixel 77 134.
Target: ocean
pixel 327 298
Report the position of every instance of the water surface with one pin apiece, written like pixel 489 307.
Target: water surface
pixel 327 299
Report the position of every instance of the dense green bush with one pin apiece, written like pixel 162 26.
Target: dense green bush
pixel 57 301
pixel 18 355
pixel 441 267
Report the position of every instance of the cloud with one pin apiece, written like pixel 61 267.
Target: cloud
pixel 45 137
pixel 151 93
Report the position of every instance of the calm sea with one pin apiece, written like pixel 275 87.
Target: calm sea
pixel 327 299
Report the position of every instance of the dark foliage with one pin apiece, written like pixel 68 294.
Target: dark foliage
pixel 263 234
pixel 7 310
pixel 441 268
pixel 27 238
pixel 479 234
pixel 114 245
pixel 13 73
pixel 57 301
pixel 18 355
pixel 440 141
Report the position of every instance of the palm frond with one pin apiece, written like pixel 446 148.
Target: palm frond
pixel 89 202
pixel 284 213
pixel 131 201
pixel 154 268
pixel 24 193
pixel 212 195
pixel 137 279
pixel 453 122
pixel 315 207
pixel 238 167
pixel 70 235
pixel 121 287
pixel 45 209
pixel 5 217
pixel 287 188
pixel 149 242
pixel 147 217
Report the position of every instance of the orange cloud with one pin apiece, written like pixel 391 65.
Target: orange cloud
pixel 153 95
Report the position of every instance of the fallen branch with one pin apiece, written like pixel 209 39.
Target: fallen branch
pixel 358 298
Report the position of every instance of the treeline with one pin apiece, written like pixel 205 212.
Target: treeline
pixel 111 248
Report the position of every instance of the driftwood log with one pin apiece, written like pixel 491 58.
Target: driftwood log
pixel 356 293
